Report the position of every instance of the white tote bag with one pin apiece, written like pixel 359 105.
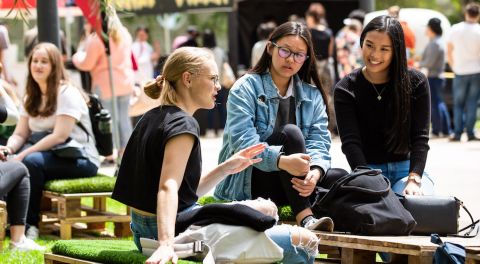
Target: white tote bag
pixel 225 244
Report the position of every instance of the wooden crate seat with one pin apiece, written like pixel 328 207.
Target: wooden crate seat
pixel 404 249
pixel 473 255
pixel 97 251
pixel 3 222
pixel 62 204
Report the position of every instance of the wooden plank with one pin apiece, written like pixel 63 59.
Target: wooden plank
pixel 100 218
pixel 355 256
pixel 473 255
pixel 65 230
pixel 76 195
pixel 69 208
pixel 59 259
pixel 3 222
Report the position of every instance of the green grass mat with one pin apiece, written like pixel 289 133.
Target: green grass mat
pixel 103 251
pixel 99 183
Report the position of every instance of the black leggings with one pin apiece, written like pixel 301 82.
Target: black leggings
pixel 277 185
pixel 15 186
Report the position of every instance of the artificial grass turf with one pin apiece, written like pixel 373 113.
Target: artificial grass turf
pixel 103 251
pixel 99 183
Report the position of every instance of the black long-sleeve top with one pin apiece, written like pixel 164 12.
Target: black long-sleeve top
pixel 363 120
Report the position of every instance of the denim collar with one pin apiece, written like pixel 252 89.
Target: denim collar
pixel 271 90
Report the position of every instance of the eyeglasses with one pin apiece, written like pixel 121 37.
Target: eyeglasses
pixel 214 78
pixel 298 57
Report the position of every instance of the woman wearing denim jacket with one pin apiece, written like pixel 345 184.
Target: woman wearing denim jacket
pixel 275 104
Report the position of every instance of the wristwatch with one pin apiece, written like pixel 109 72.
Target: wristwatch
pixel 415 178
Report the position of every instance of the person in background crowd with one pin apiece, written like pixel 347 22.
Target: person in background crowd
pixel 323 45
pixel 463 55
pixel 189 39
pixel 160 174
pixel 394 11
pixel 49 116
pixel 347 41
pixel 217 116
pixel 383 110
pixel 433 62
pixel 94 59
pixel 276 105
pixel 145 56
pixel 263 31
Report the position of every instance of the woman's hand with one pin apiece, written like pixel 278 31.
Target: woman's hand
pixel 162 255
pixel 4 152
pixel 306 186
pixel 412 188
pixel 242 159
pixel 297 164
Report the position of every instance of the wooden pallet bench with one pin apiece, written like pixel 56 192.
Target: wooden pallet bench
pixel 63 206
pixel 404 249
pixel 473 255
pixel 3 222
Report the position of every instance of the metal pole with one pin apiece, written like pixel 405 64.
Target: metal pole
pixel 48 22
pixel 106 41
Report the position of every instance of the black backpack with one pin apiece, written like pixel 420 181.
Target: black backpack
pixel 101 120
pixel 362 203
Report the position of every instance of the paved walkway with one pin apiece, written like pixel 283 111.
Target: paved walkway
pixel 454 166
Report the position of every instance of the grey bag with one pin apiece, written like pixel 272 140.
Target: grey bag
pixel 436 214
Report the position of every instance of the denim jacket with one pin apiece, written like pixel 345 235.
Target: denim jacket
pixel 252 108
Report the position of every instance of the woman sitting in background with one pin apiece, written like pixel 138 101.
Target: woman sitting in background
pixel 52 106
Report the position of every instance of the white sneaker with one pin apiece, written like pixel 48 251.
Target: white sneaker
pixel 322 224
pixel 26 245
pixel 32 232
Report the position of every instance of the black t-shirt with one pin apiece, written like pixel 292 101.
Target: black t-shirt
pixel 363 120
pixel 321 41
pixel 139 174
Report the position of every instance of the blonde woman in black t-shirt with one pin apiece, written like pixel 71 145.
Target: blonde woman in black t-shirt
pixel 160 173
pixel 383 110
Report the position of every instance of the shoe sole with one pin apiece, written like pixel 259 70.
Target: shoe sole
pixel 323 224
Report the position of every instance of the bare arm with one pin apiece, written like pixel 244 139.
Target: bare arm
pixel 236 163
pixel 63 128
pixel 173 169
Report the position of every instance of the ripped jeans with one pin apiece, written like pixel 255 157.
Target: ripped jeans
pixel 146 226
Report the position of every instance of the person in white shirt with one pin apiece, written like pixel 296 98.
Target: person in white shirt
pixel 463 55
pixel 144 55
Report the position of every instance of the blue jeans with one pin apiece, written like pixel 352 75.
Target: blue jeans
pixel 146 226
pixel 440 115
pixel 397 173
pixel 44 166
pixel 466 91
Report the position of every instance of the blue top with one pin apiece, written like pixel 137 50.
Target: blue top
pixel 252 108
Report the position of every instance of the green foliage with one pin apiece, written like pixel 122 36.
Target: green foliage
pixel 99 183
pixel 30 257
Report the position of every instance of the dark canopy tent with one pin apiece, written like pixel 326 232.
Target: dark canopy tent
pixel 245 15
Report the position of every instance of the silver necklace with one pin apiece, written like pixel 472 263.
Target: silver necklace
pixel 379 97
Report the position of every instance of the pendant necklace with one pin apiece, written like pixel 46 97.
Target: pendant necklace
pixel 379 97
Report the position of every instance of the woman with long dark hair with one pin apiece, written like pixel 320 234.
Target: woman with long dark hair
pixel 276 104
pixel 383 110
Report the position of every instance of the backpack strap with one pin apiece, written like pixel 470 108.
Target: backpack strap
pixel 79 124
